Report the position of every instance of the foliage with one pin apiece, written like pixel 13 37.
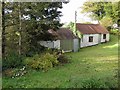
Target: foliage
pixel 72 27
pixel 95 9
pixel 101 10
pixel 8 72
pixel 63 59
pixel 15 72
pixel 115 31
pixel 39 23
pixel 41 62
pixel 93 83
pixel 84 67
pixel 41 49
pixel 96 83
pixel 12 60
pixel 106 21
pixel 35 19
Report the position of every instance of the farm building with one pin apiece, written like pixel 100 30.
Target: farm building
pixel 92 34
pixel 66 40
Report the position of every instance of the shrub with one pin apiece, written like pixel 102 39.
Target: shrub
pixel 51 50
pixel 15 72
pixel 12 60
pixel 42 62
pixel 8 72
pixel 115 32
pixel 63 59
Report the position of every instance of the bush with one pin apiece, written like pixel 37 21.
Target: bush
pixel 8 72
pixel 12 60
pixel 63 59
pixel 115 32
pixel 40 50
pixel 42 62
pixel 16 72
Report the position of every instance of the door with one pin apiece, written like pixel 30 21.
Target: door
pixel 76 45
pixel 66 45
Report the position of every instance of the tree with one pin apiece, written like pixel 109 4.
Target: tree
pixel 106 21
pixel 101 10
pixel 94 9
pixel 31 25
pixel 12 22
pixel 74 29
pixel 42 16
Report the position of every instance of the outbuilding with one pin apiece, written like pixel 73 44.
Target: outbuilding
pixel 66 40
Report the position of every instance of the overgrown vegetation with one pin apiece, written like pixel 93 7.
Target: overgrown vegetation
pixel 94 82
pixel 84 71
pixel 24 60
pixel 63 59
pixel 24 25
pixel 12 60
pixel 107 13
pixel 115 32
pixel 41 62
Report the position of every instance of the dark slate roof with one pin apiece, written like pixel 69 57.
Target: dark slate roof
pixel 63 33
pixel 91 28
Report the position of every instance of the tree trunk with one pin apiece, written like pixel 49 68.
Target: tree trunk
pixel 20 28
pixel 0 31
pixel 3 31
pixel 0 43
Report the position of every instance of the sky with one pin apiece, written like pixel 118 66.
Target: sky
pixel 69 9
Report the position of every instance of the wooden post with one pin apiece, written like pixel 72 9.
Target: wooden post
pixel 75 23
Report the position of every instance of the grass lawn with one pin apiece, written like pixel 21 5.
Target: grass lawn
pixel 94 66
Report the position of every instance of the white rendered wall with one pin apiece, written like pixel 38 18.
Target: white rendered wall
pixel 50 44
pixel 107 37
pixel 85 40
pixel 57 44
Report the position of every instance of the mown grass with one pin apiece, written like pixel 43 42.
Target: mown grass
pixel 91 67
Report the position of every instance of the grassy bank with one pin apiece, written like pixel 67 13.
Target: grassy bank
pixel 94 66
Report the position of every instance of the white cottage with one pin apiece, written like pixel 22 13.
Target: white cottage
pixel 92 34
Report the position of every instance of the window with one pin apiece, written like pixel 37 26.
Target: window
pixel 104 36
pixel 90 38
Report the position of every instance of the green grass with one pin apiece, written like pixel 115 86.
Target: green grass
pixel 94 66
